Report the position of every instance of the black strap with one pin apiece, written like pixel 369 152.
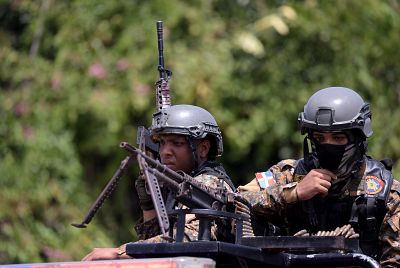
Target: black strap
pixel 354 214
pixel 371 218
pixel 369 232
pixel 170 202
pixel 308 207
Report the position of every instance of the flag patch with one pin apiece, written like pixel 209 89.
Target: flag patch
pixel 265 179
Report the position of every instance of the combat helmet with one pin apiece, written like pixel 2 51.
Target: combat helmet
pixel 337 109
pixel 191 121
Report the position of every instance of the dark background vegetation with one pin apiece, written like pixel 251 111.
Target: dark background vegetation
pixel 76 78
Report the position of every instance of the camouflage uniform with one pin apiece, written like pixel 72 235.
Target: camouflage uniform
pixel 269 194
pixel 208 174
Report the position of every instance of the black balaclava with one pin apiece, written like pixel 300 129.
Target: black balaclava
pixel 343 160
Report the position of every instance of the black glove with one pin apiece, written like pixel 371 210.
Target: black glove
pixel 144 198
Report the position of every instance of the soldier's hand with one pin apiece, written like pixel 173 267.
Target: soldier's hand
pixel 144 198
pixel 105 254
pixel 317 181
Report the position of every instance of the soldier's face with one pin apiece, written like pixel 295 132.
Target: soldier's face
pixel 175 152
pixel 335 138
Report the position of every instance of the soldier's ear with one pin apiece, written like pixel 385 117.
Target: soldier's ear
pixel 203 148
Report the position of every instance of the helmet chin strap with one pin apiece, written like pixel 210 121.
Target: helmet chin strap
pixel 193 147
pixel 307 154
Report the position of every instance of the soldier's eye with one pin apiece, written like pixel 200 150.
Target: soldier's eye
pixel 342 139
pixel 319 139
pixel 178 143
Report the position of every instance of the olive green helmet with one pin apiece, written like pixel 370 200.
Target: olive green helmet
pixel 188 120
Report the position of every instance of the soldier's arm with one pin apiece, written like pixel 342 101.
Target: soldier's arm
pixel 147 226
pixel 389 235
pixel 147 229
pixel 280 186
pixel 272 190
pixel 107 254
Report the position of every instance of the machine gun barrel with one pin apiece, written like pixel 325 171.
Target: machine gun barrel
pixel 159 25
pixel 163 98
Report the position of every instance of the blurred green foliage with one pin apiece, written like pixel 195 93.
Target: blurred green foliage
pixel 76 78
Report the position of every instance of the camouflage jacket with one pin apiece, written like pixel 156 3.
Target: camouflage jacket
pixel 268 195
pixel 208 174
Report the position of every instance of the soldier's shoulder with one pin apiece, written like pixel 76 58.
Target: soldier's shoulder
pixel 286 164
pixel 206 177
pixel 210 180
pixel 280 173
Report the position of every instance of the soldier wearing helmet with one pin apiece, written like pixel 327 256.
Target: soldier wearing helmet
pixel 336 184
pixel 189 140
pixel 193 123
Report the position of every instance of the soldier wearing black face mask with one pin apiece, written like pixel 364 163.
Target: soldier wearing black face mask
pixel 336 183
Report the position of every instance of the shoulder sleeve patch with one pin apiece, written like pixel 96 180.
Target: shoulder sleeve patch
pixel 373 185
pixel 265 179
